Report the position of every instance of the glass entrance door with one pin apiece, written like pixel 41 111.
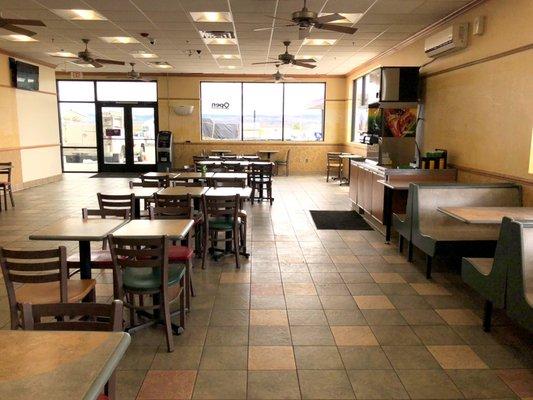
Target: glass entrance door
pixel 126 137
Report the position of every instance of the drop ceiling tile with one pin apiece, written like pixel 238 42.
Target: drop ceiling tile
pixel 395 6
pixel 440 7
pixel 204 5
pixel 348 6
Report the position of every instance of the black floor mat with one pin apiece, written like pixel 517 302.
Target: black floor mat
pixel 116 175
pixel 339 220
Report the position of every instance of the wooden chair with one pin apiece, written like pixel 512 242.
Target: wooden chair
pixel 44 276
pixel 108 202
pixel 260 179
pixel 225 182
pixel 334 163
pixel 187 184
pixel 163 181
pixel 283 163
pixel 145 183
pixel 61 317
pixel 221 214
pixel 179 207
pixel 100 259
pixel 141 269
pixel 5 185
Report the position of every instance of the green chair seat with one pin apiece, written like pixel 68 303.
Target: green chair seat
pixel 221 224
pixel 150 279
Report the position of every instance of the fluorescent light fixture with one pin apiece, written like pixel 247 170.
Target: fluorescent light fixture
pixel 319 42
pixel 62 54
pixel 227 56
pixel 220 41
pixel 211 16
pixel 161 64
pixel 144 54
pixel 315 57
pixel 81 64
pixel 230 66
pixel 18 38
pixel 119 39
pixel 80 15
pixel 348 18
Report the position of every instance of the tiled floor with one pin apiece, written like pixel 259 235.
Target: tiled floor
pixel 312 314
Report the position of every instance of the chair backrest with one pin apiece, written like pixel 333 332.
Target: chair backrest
pixel 163 181
pixel 34 266
pixel 86 213
pixel 172 207
pixel 428 197
pixel 187 184
pixel 260 173
pixel 221 206
pixel 234 167
pixel 519 296
pixel 5 169
pixel 142 254
pixel 225 182
pixel 117 202
pixel 33 314
pixel 228 156
pixel 334 157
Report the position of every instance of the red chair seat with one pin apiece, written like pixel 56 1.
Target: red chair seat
pixel 179 253
pixel 99 259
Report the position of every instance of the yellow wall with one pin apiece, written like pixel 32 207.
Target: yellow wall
pixel 482 114
pixel 29 133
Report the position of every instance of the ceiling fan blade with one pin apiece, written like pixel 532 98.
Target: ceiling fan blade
pixel 96 64
pixel 269 62
pixel 308 60
pixel 337 28
pixel 19 30
pixel 104 61
pixel 303 33
pixel 281 19
pixel 329 18
pixel 29 22
pixel 302 64
pixel 272 27
pixel 66 58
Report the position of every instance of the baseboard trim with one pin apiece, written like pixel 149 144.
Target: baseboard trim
pixel 37 182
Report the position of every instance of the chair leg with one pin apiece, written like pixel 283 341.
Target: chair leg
pixel 236 246
pixel 410 252
pixel 5 198
pixel 327 174
pixel 182 305
pixel 205 240
pixel 11 197
pixel 110 387
pixel 188 285
pixel 168 321
pixel 287 169
pixel 400 244
pixel 487 316
pixel 269 193
pixel 429 260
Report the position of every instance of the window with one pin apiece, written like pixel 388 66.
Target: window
pixel 126 91
pixel 304 111
pixel 262 111
pixel 221 110
pixel 359 110
pixel 77 120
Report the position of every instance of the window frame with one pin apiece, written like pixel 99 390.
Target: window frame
pixel 98 103
pixel 324 85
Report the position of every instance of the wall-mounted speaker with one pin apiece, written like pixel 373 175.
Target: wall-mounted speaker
pixel 183 110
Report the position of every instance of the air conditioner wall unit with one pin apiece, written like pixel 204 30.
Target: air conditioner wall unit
pixel 446 41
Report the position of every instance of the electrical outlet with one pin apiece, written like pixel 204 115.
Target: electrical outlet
pixel 306 160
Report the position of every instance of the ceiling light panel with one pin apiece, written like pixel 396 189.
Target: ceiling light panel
pixel 319 42
pixel 80 15
pixel 143 55
pixel 211 16
pixel 348 18
pixel 160 64
pixel 227 56
pixel 62 54
pixel 119 39
pixel 18 38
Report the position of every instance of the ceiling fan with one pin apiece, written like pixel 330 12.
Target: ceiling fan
pixel 86 57
pixel 9 24
pixel 305 19
pixel 286 58
pixel 134 75
pixel 278 76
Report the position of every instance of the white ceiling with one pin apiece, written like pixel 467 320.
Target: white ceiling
pixel 384 24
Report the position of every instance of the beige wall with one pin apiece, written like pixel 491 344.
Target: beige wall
pixel 483 113
pixel 29 133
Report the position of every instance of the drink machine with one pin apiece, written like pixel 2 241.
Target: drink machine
pixel 164 151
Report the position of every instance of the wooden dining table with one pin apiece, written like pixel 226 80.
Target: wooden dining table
pixel 175 229
pixel 58 365
pixel 487 215
pixel 83 231
pixel 194 191
pixel 192 176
